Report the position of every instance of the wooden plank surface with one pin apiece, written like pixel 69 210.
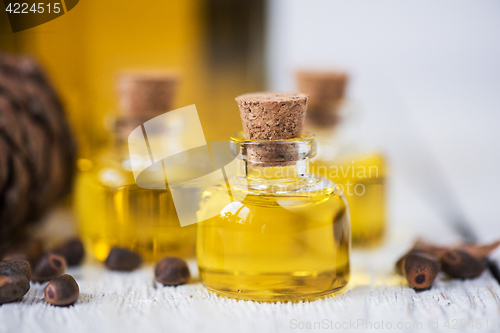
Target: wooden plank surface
pixel 376 299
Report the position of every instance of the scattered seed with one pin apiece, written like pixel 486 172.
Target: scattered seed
pixel 13 285
pixel 72 250
pixel 464 261
pixel 62 291
pixel 121 259
pixel 21 266
pixel 420 269
pixel 172 271
pixel 460 264
pixel 49 267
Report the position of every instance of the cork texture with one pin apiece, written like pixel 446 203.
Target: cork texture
pixel 326 90
pixel 272 116
pixel 146 94
pixel 272 154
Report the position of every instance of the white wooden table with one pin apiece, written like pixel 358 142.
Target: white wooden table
pixel 376 299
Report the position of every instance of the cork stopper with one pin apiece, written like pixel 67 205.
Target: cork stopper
pixel 272 116
pixel 146 94
pixel 326 90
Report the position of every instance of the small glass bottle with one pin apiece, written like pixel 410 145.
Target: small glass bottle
pixel 359 173
pixel 112 209
pixel 286 234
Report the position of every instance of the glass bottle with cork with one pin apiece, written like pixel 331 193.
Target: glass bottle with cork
pixel 286 235
pixel 359 173
pixel 112 209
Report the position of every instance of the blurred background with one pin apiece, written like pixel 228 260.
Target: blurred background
pixel 425 75
pixel 216 44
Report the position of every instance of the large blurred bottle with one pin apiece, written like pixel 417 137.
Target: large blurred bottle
pixel 217 44
pixel 359 172
pixel 112 209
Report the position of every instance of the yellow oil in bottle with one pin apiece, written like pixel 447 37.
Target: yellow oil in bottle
pixel 359 174
pixel 274 245
pixel 362 180
pixel 114 211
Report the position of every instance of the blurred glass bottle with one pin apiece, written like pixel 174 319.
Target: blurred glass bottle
pixel 218 45
pixel 359 173
pixel 112 209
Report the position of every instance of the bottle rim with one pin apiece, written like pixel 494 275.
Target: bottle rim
pixel 273 152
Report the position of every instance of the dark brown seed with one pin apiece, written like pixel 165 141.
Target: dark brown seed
pixel 172 271
pixel 420 269
pixel 18 265
pixel 460 264
pixel 121 259
pixel 13 286
pixel 62 291
pixel 49 267
pixel 72 250
pixel 423 247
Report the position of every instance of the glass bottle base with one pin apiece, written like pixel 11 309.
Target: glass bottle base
pixel 299 286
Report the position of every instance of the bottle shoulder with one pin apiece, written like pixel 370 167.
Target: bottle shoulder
pixel 311 188
pixel 108 167
pixel 256 209
pixel 364 165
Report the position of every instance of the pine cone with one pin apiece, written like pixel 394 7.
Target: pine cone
pixel 37 150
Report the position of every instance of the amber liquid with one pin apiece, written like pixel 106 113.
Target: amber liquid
pixel 84 50
pixel 272 248
pixel 113 211
pixel 362 180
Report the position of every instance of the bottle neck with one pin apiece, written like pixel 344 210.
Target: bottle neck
pixel 338 137
pixel 327 116
pixel 274 179
pixel 120 128
pixel 290 171
pixel 171 130
pixel 327 121
pixel 274 165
